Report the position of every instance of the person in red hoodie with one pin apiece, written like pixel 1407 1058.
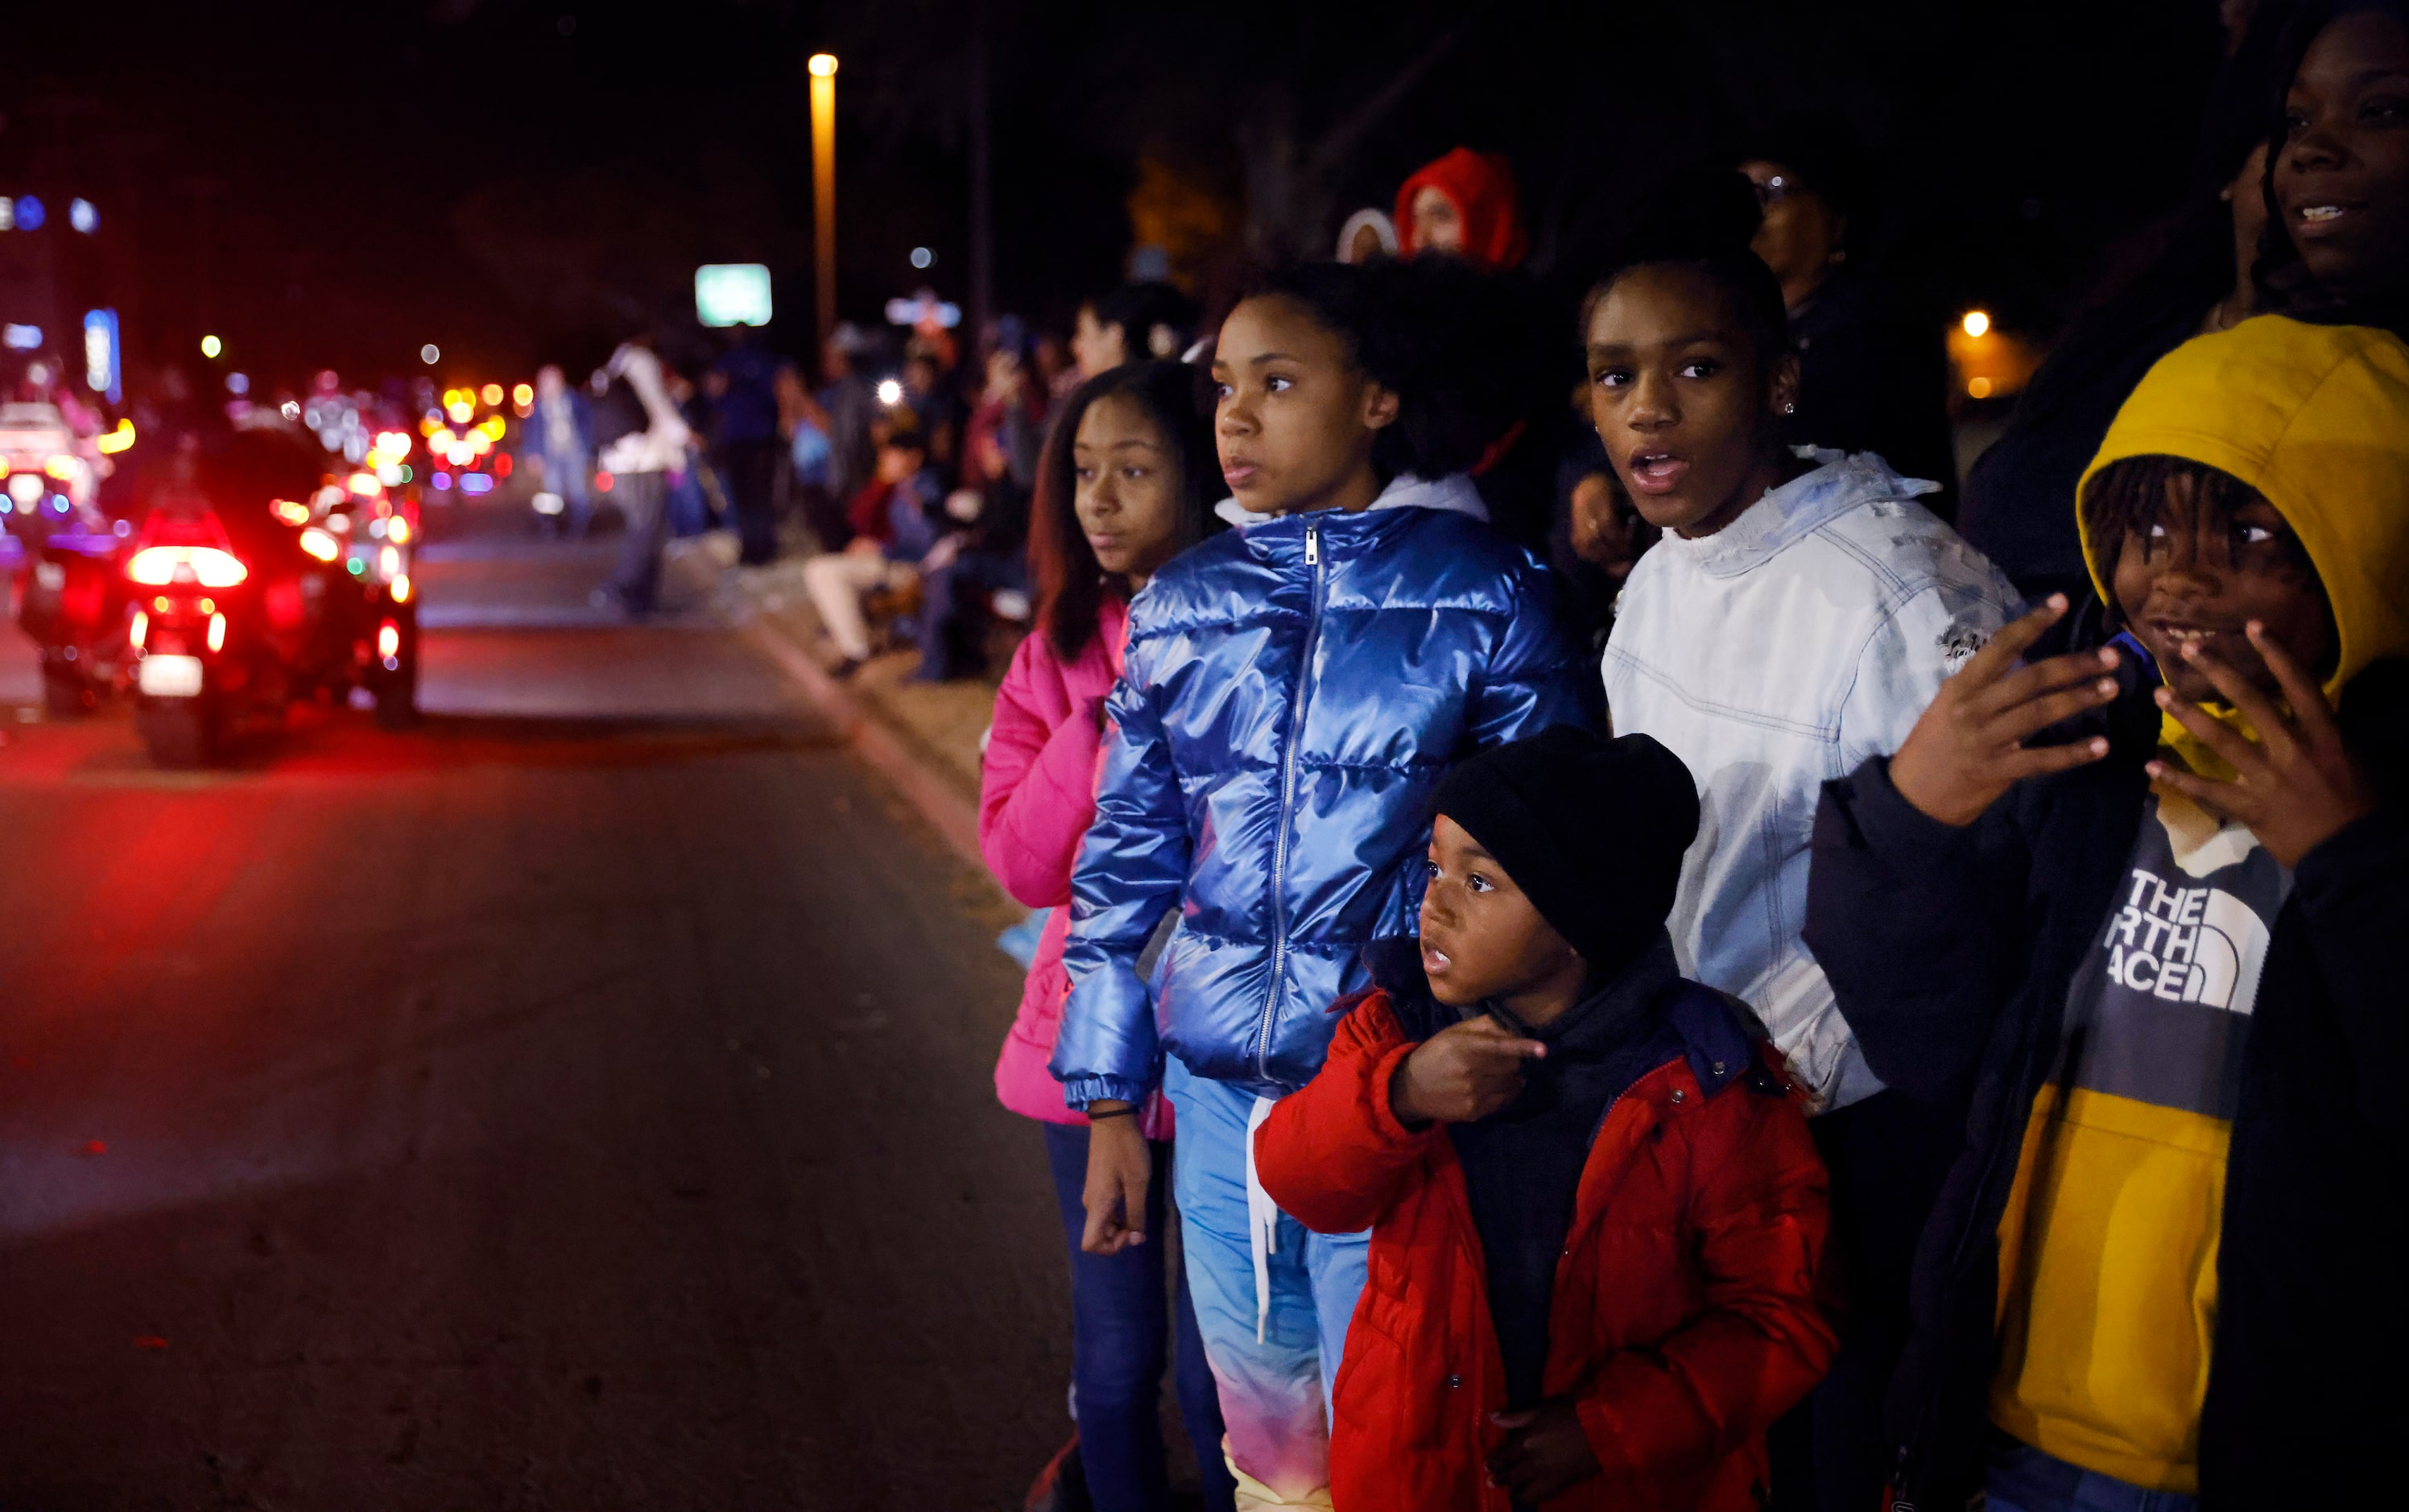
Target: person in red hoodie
pixel 1598 1222
pixel 1463 205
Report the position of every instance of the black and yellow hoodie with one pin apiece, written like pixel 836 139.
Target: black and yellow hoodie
pixel 2174 1249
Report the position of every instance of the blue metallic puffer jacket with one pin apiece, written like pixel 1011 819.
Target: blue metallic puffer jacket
pixel 1293 692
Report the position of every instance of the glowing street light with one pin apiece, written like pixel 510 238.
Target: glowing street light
pixel 1976 322
pixel 212 346
pixel 823 72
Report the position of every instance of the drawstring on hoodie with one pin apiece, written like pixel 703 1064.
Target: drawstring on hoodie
pixel 1262 1221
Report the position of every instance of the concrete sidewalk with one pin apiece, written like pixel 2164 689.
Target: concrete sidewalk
pixel 925 737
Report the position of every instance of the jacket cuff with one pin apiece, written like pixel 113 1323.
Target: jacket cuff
pixel 1895 827
pixel 1081 1091
pixel 1393 1130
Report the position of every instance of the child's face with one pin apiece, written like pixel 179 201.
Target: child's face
pixel 1481 938
pixel 2200 576
pixel 1676 394
pixel 1126 491
pixel 1296 417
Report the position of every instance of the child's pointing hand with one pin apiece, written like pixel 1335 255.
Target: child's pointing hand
pixel 1465 1072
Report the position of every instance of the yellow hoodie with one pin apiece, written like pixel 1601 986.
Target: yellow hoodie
pixel 2316 418
pixel 2108 1243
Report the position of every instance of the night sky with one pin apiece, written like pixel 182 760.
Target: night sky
pixel 336 185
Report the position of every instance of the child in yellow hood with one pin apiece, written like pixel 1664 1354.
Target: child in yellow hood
pixel 2142 904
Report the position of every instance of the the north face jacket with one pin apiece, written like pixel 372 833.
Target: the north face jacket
pixel 1691 1307
pixel 1953 951
pixel 1292 693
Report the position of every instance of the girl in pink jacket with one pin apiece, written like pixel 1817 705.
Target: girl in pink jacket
pixel 1126 482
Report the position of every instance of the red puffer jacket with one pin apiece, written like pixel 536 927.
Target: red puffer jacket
pixel 1691 1308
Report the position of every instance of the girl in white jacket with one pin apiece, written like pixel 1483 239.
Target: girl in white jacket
pixel 1800 611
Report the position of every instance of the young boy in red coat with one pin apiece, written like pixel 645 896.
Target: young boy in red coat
pixel 1597 1219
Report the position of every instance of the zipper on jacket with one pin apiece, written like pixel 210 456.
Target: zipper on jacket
pixel 1288 803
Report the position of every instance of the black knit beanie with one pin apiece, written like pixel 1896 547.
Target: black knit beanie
pixel 1592 830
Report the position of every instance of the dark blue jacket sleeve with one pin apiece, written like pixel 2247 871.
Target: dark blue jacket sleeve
pixel 1914 923
pixel 1133 867
pixel 2353 892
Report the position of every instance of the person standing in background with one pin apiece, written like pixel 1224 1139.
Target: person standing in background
pixel 850 402
pixel 1133 322
pixel 1463 205
pixel 561 440
pixel 1873 373
pixel 639 463
pixel 744 444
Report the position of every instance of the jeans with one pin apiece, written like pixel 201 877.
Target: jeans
pixel 1275 1354
pixel 643 498
pixel 2024 1479
pixel 1119 1338
pixel 750 470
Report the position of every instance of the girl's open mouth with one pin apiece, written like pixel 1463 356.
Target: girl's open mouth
pixel 1435 962
pixel 1657 473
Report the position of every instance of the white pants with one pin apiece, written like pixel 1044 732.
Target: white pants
pixel 837 582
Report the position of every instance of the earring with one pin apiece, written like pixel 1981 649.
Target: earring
pixel 1790 409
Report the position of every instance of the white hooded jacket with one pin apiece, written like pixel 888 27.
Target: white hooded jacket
pixel 1771 656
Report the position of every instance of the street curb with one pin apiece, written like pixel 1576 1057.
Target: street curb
pixel 953 816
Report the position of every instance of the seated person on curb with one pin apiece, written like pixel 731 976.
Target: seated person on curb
pixel 2147 900
pixel 894 525
pixel 1597 1219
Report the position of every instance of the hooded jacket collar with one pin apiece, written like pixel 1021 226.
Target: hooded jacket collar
pixel 1839 482
pixel 1453 493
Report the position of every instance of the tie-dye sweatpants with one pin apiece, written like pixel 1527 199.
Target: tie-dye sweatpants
pixel 1272 1299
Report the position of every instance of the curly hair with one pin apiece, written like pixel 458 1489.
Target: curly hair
pixel 2129 496
pixel 1703 219
pixel 1446 339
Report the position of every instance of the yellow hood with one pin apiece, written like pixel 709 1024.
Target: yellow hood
pixel 2316 418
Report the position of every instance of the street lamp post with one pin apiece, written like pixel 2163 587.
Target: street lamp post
pixel 823 71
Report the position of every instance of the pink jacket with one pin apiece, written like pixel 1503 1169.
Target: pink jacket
pixel 1037 794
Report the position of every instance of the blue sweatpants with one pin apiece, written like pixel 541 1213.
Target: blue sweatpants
pixel 1275 1352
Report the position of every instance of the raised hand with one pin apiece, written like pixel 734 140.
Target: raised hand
pixel 1465 1072
pixel 1968 747
pixel 2294 786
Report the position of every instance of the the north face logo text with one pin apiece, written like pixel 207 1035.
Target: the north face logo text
pixel 2186 944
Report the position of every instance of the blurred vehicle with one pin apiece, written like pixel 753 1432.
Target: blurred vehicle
pixel 251 582
pixel 49 479
pixel 465 457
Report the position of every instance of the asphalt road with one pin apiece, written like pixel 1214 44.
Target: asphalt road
pixel 580 1101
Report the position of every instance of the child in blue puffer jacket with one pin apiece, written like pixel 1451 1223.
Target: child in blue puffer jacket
pixel 1293 692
